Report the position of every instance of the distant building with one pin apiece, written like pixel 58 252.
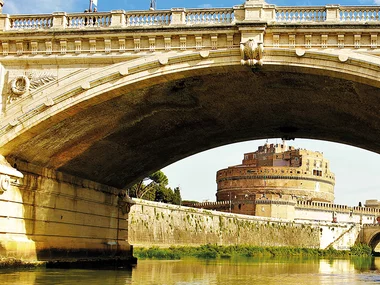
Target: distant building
pixel 375 204
pixel 283 182
pixel 280 170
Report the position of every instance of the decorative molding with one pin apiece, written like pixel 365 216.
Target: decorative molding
pixel 214 41
pixel 292 41
pixel 230 41
pixel 78 46
pixel 34 47
pixel 107 45
pixel 122 45
pixel 137 44
pixel 276 40
pixel 152 44
pixel 324 39
pixel 374 41
pixel 182 42
pixel 25 83
pixel 308 41
pixel 198 42
pixel 48 47
pixel 251 52
pixel 5 183
pixel 168 43
pixel 20 85
pixel 340 41
pixel 19 48
pixel 92 45
pixel 63 46
pixel 5 46
pixel 357 41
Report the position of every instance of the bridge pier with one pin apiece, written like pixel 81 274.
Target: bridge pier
pixel 50 216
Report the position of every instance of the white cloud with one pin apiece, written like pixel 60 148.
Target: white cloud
pixel 376 2
pixel 38 6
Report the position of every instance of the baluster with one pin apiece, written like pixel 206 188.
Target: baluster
pixel 345 16
pixel 372 16
pixel 293 13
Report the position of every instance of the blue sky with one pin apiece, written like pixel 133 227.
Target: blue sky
pixel 357 171
pixel 49 6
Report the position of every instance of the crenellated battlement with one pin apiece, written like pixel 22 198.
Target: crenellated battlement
pixel 336 207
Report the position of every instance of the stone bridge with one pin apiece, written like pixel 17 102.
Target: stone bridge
pixel 370 235
pixel 91 102
pixel 111 97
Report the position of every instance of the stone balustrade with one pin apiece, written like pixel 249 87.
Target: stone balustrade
pixel 300 14
pixel 189 17
pixel 359 14
pixel 75 21
pixel 209 16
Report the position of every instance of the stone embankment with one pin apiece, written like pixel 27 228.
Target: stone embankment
pixel 163 225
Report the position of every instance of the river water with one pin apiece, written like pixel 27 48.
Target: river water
pixel 209 272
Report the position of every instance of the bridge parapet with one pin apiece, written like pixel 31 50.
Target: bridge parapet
pixel 189 17
pixel 118 18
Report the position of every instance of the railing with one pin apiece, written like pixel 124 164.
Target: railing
pixel 149 18
pixel 89 20
pixel 359 14
pixel 31 22
pixel 190 17
pixel 211 16
pixel 300 14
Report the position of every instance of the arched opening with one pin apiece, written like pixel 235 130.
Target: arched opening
pixel 375 244
pixel 118 141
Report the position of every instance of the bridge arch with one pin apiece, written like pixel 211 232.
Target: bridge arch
pixel 374 240
pixel 146 113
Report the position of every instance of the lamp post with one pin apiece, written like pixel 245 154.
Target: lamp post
pixel 1 6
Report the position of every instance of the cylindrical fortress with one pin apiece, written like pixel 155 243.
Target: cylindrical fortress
pixel 278 169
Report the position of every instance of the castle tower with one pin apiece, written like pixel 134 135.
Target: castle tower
pixel 280 171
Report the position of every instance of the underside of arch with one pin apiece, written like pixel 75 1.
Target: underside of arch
pixel 119 140
pixel 375 240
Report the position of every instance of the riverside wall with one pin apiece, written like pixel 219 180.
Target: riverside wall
pixel 164 225
pixel 51 216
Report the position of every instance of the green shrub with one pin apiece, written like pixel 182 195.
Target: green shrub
pixel 361 250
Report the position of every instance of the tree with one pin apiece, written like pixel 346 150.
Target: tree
pixel 154 188
pixel 141 189
pixel 177 200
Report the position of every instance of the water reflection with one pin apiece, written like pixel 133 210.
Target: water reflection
pixel 218 272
